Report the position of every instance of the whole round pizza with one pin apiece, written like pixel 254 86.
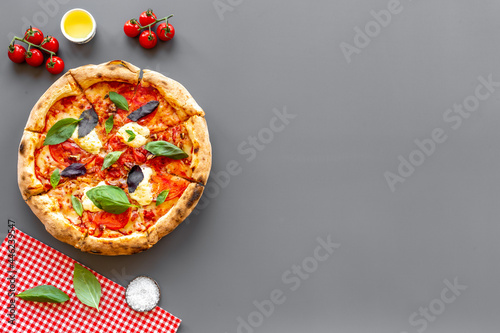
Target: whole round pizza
pixel 110 161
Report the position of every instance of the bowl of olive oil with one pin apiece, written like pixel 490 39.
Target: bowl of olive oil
pixel 78 26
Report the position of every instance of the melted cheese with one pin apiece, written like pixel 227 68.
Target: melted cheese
pixel 90 142
pixel 143 194
pixel 141 134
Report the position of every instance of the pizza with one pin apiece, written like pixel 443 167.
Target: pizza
pixel 111 161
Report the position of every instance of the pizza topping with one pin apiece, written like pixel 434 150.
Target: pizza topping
pixel 161 197
pixel 77 205
pixel 164 148
pixel 135 177
pixel 61 131
pixel 141 134
pixel 110 159
pixel 144 110
pixel 90 143
pixel 89 120
pixel 143 191
pixel 87 204
pixel 74 170
pixel 111 199
pixel 68 152
pixel 108 125
pixel 119 100
pixel 54 178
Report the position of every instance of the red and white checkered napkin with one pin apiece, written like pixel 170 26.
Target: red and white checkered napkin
pixel 37 264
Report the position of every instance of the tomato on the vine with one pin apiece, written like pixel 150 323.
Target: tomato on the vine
pixel 54 65
pixel 148 39
pixel 50 43
pixel 17 53
pixel 34 57
pixel 165 33
pixel 34 35
pixel 131 28
pixel 147 17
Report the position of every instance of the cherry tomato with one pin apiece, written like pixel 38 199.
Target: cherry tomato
pixel 17 53
pixel 165 33
pixel 147 39
pixel 54 65
pixel 147 17
pixel 131 28
pixel 34 57
pixel 50 43
pixel 34 35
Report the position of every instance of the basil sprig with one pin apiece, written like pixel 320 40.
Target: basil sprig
pixel 61 131
pixel 119 100
pixel 161 197
pixel 131 135
pixel 55 178
pixel 87 287
pixel 44 293
pixel 110 159
pixel 164 148
pixel 77 205
pixel 111 199
pixel 109 123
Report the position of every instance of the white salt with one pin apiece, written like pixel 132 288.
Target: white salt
pixel 142 294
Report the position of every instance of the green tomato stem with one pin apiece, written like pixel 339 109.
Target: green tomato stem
pixel 30 45
pixel 156 21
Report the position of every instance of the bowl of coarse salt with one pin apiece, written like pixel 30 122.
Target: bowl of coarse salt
pixel 142 294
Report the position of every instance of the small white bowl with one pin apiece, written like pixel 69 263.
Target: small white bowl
pixel 81 40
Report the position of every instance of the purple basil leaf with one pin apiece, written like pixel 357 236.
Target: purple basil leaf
pixel 135 177
pixel 74 170
pixel 88 122
pixel 143 110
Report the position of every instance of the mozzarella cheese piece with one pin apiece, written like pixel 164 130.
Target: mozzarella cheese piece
pixel 90 142
pixel 141 134
pixel 143 193
pixel 87 203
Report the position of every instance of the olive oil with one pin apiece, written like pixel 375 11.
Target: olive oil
pixel 78 24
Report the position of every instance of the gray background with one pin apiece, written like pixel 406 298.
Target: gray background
pixel 323 174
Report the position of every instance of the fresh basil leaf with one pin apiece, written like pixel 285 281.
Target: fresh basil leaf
pixel 61 131
pixel 110 159
pixel 119 100
pixel 87 287
pixel 111 199
pixel 44 293
pixel 143 110
pixel 89 120
pixel 74 170
pixel 135 177
pixel 108 125
pixel 77 205
pixel 164 148
pixel 55 178
pixel 131 134
pixel 161 197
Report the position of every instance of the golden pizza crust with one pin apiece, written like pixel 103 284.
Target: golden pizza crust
pixel 124 245
pixel 168 222
pixel 26 177
pixel 65 86
pixel 201 161
pixel 173 92
pixel 116 70
pixel 46 209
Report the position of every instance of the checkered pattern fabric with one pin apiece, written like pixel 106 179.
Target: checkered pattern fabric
pixel 32 263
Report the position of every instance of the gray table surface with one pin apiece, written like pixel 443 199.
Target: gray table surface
pixel 368 125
